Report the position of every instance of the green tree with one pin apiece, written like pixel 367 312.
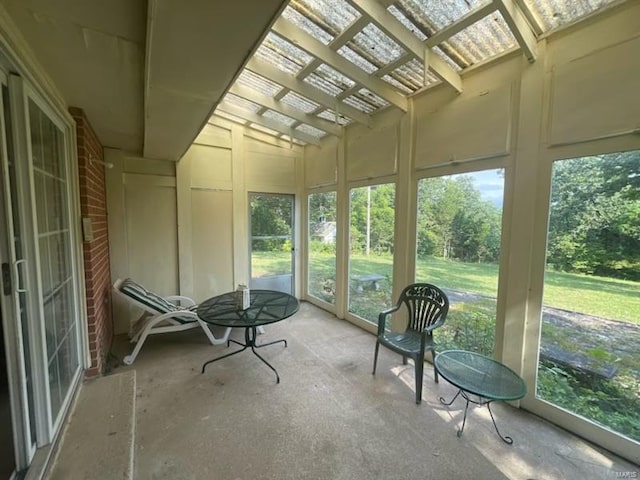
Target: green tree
pixel 594 222
pixel 271 216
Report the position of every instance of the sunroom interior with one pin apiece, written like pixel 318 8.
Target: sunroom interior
pixel 337 150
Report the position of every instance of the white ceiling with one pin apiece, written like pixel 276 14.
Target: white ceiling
pixel 147 74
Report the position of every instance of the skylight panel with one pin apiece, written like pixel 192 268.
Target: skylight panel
pixel 287 49
pixel 242 102
pixel 379 45
pixel 336 14
pixel 371 97
pixel 555 13
pixel 357 59
pixel 366 101
pixel 324 85
pixel 398 85
pixel 309 130
pixel 330 115
pixel 325 71
pixel 434 15
pixel 259 83
pixel 306 24
pixel 438 51
pixel 278 60
pixel 360 104
pixel 408 24
pixel 279 117
pixel 411 74
pixel 484 39
pixel 296 100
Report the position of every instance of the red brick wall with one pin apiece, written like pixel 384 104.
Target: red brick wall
pixel 97 275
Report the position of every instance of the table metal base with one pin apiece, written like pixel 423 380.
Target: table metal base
pixel 481 401
pixel 250 341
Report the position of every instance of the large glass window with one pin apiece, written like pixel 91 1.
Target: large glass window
pixel 321 282
pixel 372 212
pixel 458 246
pixel 589 360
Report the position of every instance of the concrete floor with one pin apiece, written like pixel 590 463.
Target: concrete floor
pixel 329 418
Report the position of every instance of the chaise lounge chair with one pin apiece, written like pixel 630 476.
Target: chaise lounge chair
pixel 161 315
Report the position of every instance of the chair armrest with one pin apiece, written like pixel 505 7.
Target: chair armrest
pixel 382 317
pixel 184 301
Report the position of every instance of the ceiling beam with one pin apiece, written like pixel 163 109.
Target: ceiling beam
pixel 288 81
pixel 532 17
pixel 463 22
pixel 398 32
pixel 302 39
pixel 519 27
pixel 266 122
pixel 346 35
pixel 281 107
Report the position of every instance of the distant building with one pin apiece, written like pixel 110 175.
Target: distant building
pixel 325 232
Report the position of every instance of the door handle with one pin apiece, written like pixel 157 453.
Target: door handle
pixel 15 266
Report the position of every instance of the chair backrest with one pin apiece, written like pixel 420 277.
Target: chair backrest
pixel 426 303
pixel 149 301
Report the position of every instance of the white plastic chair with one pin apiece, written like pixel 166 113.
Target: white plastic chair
pixel 161 315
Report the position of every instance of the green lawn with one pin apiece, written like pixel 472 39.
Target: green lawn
pixel 603 297
pixel 471 324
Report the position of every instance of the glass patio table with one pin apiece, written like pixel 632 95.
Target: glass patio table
pixel 266 306
pixel 484 377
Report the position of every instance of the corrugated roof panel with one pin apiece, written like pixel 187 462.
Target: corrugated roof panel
pixel 409 25
pixel 336 15
pixel 555 13
pixel 300 102
pixel 357 59
pixel 322 84
pixel 410 74
pixel 278 60
pixel 306 24
pixel 259 83
pixel 357 102
pixel 398 85
pixel 279 117
pixel 335 77
pixel 438 51
pixel 434 15
pixel 242 102
pixel 309 130
pixel 378 44
pixel 287 49
pixel 372 98
pixel 330 115
pixel 484 39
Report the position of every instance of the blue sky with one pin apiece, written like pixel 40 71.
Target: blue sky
pixel 491 185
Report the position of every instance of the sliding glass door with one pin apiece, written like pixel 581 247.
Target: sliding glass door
pixel 57 299
pixel 40 289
